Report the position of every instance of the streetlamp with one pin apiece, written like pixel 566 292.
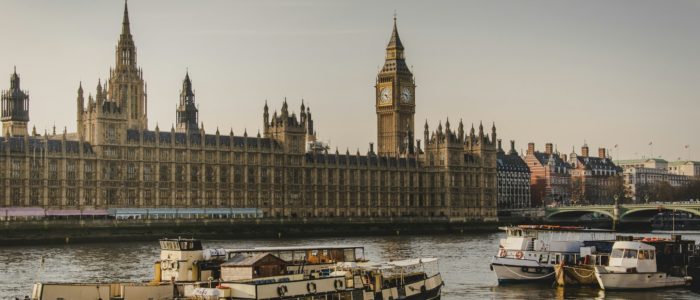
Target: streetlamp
pixel 646 199
pixel 616 212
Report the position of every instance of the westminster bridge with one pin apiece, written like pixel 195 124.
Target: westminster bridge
pixel 622 213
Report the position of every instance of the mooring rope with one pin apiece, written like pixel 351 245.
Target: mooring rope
pixel 579 274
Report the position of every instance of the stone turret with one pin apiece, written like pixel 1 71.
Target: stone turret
pixel 187 114
pixel 15 108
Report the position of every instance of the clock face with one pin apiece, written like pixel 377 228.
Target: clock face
pixel 406 95
pixel 385 96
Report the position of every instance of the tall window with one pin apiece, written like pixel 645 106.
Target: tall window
pixel 89 170
pixel 53 169
pixel 164 173
pixel 194 174
pixel 130 172
pixel 148 172
pixel 71 173
pixel 16 196
pixel 223 174
pixel 16 168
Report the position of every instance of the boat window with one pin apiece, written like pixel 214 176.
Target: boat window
pixel 643 254
pixel 651 254
pixel 630 253
pixel 616 253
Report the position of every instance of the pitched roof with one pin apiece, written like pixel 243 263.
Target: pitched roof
pixel 242 260
pixel 597 163
pixel 511 162
pixel 544 158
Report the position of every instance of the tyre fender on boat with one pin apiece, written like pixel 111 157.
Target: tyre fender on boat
pixel 281 290
pixel 519 255
pixel 502 252
pixel 311 287
pixel 338 284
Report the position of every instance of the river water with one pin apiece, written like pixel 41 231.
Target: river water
pixel 464 264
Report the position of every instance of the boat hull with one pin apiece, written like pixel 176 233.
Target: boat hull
pixel 634 281
pixel 518 270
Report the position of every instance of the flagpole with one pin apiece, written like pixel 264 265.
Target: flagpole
pixel 687 150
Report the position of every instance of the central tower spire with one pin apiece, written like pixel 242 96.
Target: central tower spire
pixel 126 50
pixel 126 85
pixel 125 21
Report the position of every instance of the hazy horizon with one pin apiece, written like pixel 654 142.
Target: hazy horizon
pixel 608 72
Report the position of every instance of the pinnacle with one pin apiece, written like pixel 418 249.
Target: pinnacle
pixel 125 22
pixel 395 41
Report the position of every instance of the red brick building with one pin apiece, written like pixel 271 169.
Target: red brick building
pixel 550 177
pixel 594 179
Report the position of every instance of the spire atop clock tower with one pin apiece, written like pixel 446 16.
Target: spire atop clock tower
pixel 395 100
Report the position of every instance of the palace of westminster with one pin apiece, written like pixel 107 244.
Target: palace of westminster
pixel 115 161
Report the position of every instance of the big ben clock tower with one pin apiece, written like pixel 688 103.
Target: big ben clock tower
pixel 395 100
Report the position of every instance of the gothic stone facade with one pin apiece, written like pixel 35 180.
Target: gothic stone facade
pixel 114 160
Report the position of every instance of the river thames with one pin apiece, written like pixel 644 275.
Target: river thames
pixel 464 263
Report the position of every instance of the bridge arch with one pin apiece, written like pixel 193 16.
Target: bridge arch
pixel 574 214
pixel 647 213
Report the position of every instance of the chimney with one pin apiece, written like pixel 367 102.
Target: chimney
pixel 500 149
pixel 371 148
pixel 584 151
pixel 601 153
pixel 548 148
pixel 530 148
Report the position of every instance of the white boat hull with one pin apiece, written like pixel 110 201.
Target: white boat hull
pixel 519 270
pixel 631 281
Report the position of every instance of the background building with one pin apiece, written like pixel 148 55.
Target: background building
pixel 594 179
pixel 114 160
pixel 550 180
pixel 685 167
pixel 513 179
pixel 656 179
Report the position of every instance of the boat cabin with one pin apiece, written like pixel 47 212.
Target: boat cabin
pixel 242 267
pixel 632 257
pixel 177 259
pixel 518 238
pixel 307 255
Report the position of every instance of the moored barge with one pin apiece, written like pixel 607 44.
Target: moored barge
pixel 187 271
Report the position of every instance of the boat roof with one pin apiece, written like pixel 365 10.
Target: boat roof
pixel 555 228
pixel 396 263
pixel 242 260
pixel 632 245
pixel 296 248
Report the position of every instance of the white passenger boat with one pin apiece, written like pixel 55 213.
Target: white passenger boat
pixel 633 266
pixel 186 271
pixel 530 252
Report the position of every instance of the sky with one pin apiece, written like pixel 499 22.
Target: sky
pixel 607 73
